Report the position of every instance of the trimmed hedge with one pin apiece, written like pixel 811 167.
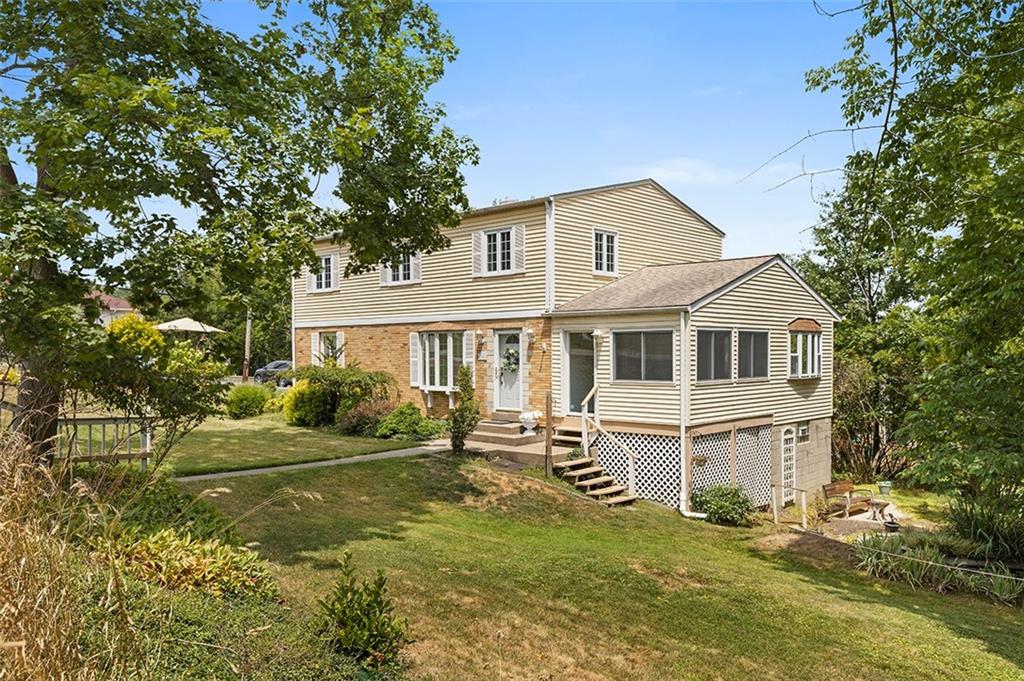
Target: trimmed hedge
pixel 725 505
pixel 246 401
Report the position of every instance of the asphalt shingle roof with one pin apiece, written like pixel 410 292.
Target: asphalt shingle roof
pixel 663 286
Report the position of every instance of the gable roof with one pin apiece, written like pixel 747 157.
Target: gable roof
pixel 596 190
pixel 679 286
pixel 538 201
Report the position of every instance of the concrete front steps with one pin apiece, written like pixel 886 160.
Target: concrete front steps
pixel 505 439
pixel 590 478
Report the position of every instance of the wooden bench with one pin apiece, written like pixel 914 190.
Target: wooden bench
pixel 843 497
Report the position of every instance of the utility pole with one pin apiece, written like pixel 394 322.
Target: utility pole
pixel 248 343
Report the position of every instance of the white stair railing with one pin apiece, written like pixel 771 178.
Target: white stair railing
pixel 585 424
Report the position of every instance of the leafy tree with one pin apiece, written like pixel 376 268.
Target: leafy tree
pixel 876 346
pixel 106 108
pixel 946 181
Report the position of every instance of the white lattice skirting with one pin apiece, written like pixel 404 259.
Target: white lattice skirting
pixel 658 471
pixel 713 464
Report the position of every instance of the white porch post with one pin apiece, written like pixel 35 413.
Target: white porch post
pixel 684 382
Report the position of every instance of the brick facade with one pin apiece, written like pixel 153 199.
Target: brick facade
pixel 385 347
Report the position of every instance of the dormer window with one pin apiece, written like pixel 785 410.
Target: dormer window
pixel 606 251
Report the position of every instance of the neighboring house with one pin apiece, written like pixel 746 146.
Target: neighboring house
pixel 709 370
pixel 113 307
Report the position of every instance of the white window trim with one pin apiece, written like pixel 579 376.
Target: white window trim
pixel 642 381
pixel 415 265
pixel 733 359
pixel 801 336
pixel 768 363
pixel 425 360
pixel 312 288
pixel 614 272
pixel 511 229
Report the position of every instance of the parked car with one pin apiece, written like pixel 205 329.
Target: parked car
pixel 271 373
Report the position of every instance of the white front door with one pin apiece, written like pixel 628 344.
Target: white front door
pixel 509 369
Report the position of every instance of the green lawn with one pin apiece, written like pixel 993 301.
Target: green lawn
pixel 504 577
pixel 221 444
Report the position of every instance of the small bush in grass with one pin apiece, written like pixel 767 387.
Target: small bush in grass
pixel 725 505
pixel 246 401
pixel 308 404
pixel 364 418
pixel 179 561
pixel 466 414
pixel 358 619
pixel 408 422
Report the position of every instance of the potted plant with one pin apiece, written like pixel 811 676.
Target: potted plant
pixel 530 419
pixel 892 525
pixel 885 487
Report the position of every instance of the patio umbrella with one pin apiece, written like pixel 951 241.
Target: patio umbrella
pixel 188 325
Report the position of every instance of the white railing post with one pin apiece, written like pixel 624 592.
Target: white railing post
pixel 775 503
pixel 803 509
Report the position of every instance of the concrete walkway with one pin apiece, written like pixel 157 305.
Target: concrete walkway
pixel 429 448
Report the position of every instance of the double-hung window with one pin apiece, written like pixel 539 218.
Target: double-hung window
pixel 606 252
pixel 442 357
pixel 324 279
pixel 714 354
pixel 804 354
pixel 499 250
pixel 404 270
pixel 753 354
pixel 642 355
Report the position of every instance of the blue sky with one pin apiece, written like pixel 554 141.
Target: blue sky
pixel 560 96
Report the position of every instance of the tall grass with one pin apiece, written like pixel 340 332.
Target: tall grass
pixel 50 589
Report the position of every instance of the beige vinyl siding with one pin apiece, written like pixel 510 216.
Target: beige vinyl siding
pixel 767 301
pixel 652 229
pixel 447 284
pixel 633 401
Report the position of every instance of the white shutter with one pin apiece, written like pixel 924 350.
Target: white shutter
pixel 414 264
pixel 469 351
pixel 384 275
pixel 414 360
pixel 336 269
pixel 310 280
pixel 519 248
pixel 478 254
pixel 339 343
pixel 314 348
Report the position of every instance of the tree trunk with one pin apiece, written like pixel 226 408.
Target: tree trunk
pixel 38 408
pixel 39 399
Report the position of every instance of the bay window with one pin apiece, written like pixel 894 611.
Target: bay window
pixel 442 356
pixel 804 354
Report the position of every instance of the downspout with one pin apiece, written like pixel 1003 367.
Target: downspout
pixel 684 395
pixel 549 254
